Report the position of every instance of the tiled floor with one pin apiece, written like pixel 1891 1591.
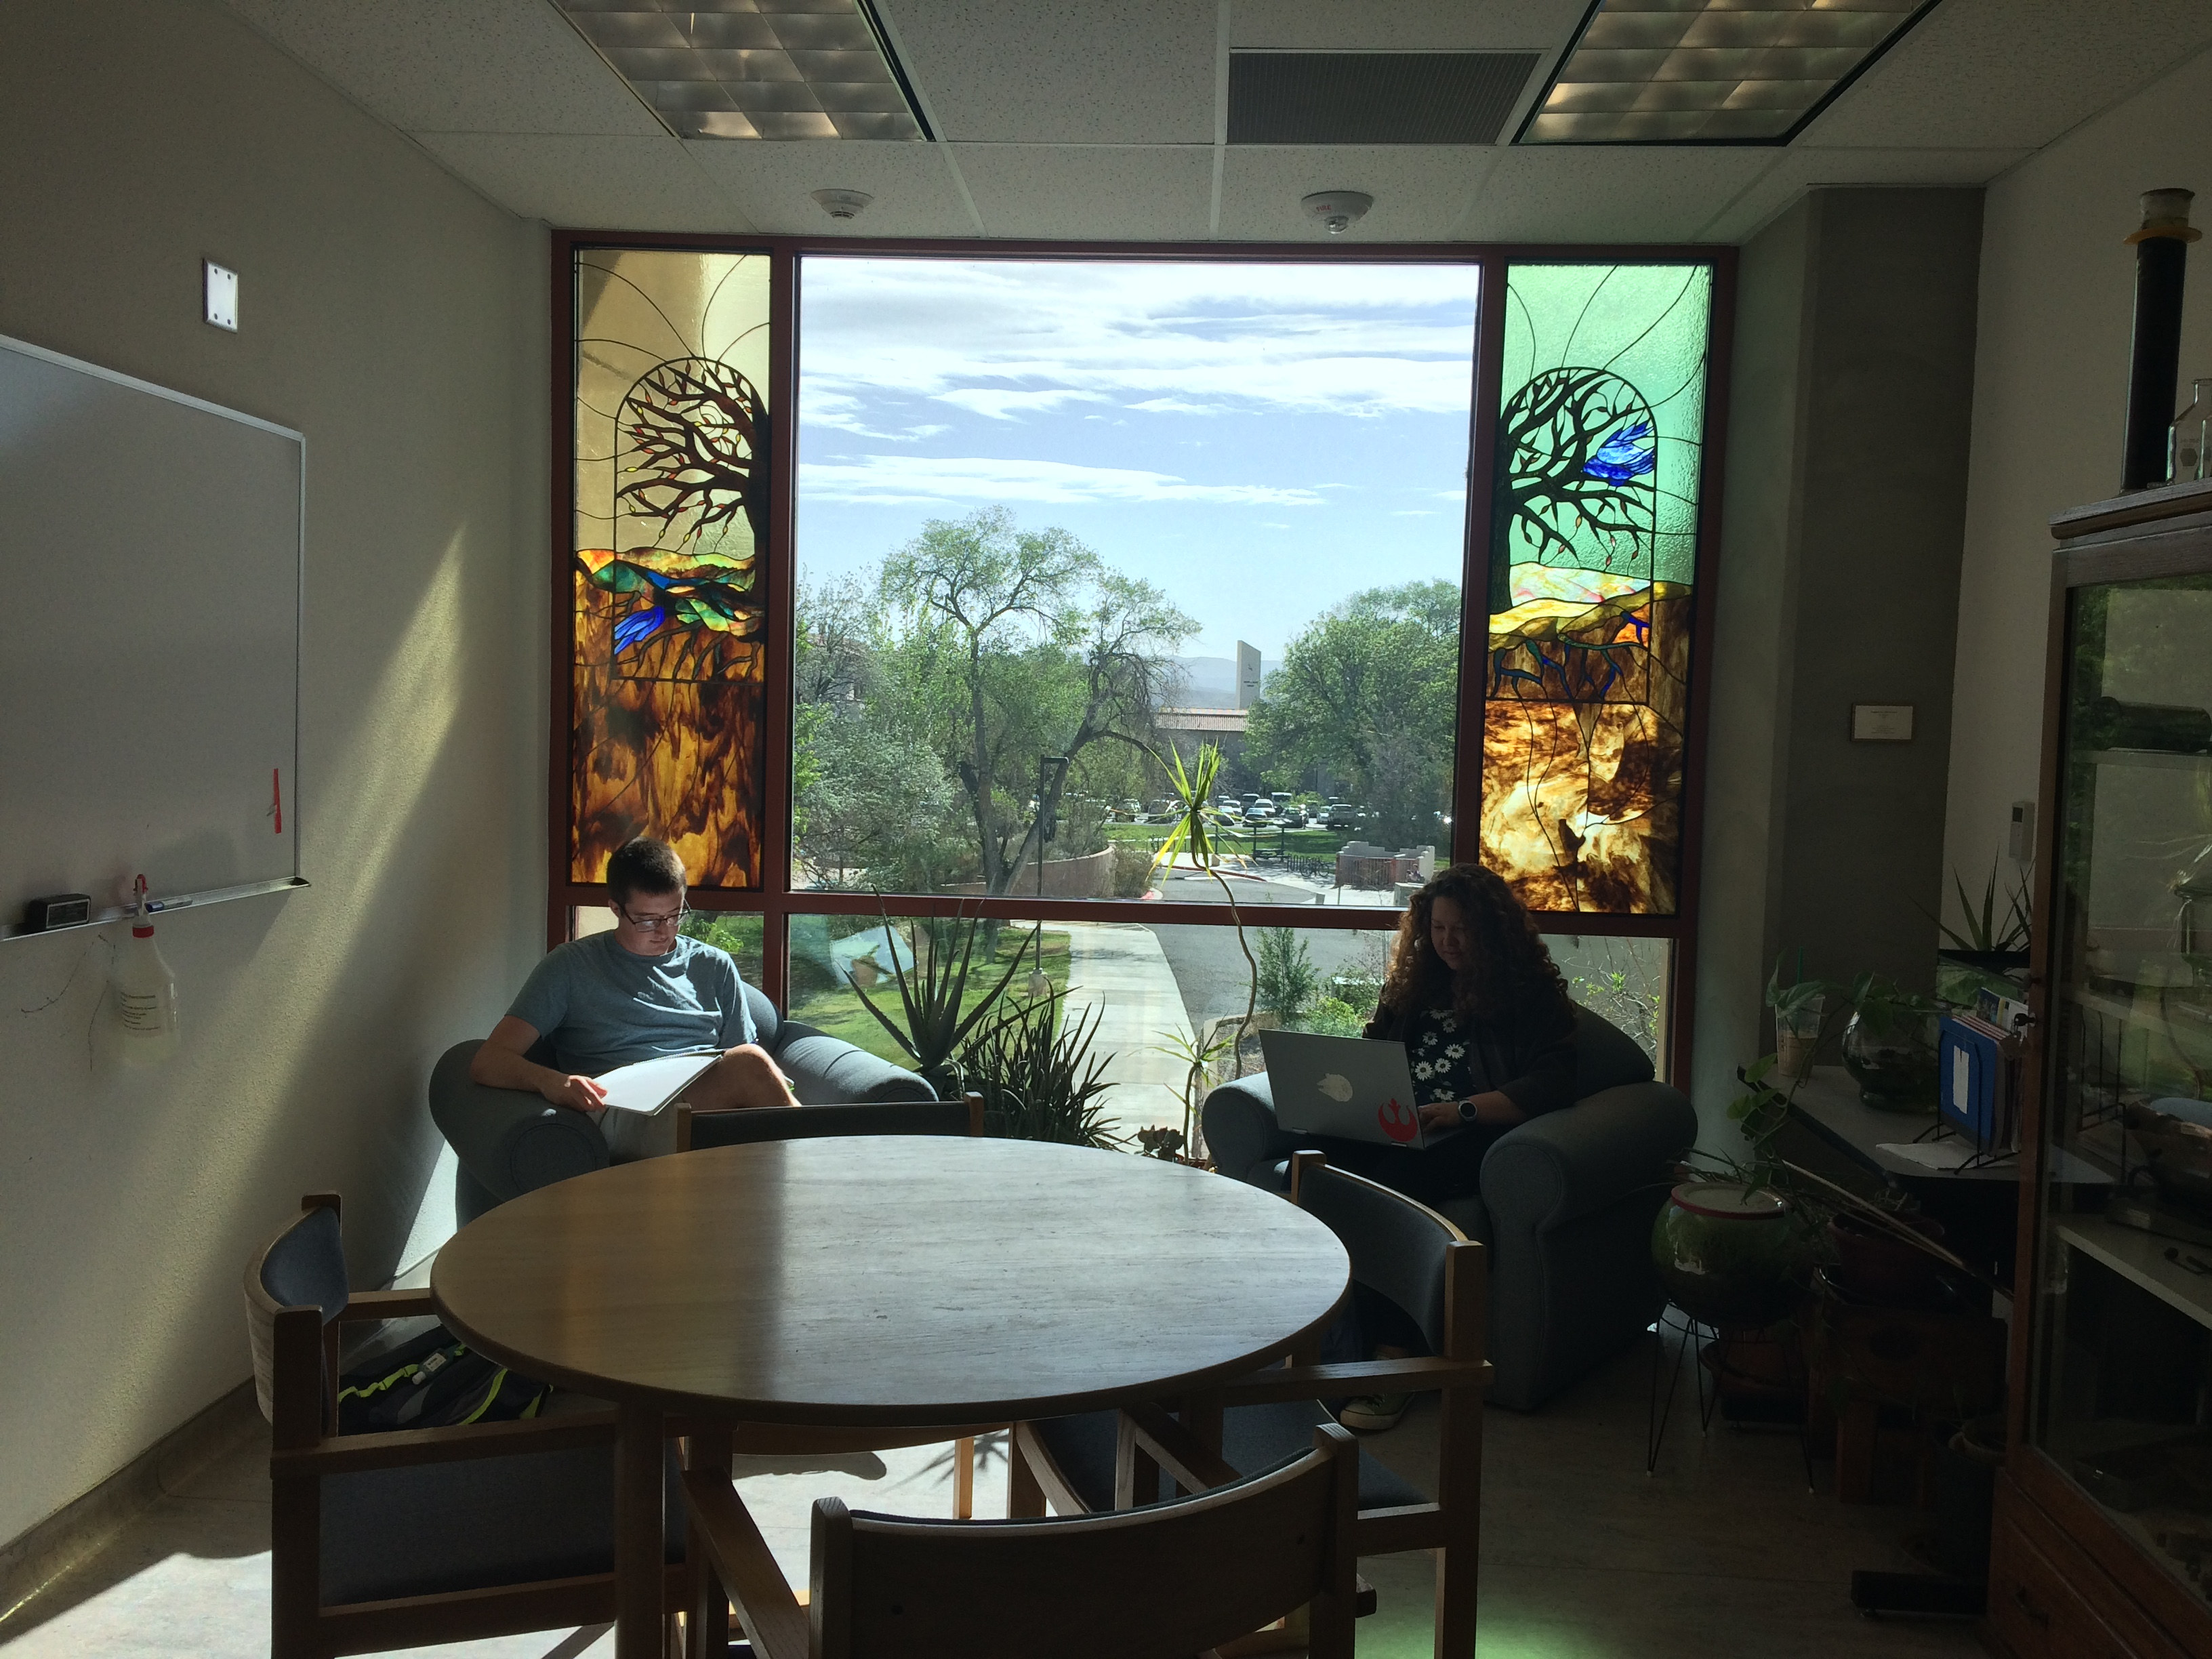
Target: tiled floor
pixel 1722 1552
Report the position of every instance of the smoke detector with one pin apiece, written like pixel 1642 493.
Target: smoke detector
pixel 1337 209
pixel 841 203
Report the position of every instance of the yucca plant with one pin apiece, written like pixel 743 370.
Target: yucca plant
pixel 1038 1077
pixel 1194 831
pixel 930 998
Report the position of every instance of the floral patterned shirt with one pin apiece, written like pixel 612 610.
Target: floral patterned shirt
pixel 1446 1065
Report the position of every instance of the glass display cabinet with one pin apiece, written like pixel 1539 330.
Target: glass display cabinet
pixel 2103 1542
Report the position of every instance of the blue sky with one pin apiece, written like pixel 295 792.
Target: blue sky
pixel 1259 441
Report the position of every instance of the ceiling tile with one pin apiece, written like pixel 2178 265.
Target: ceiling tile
pixel 590 184
pixel 1404 25
pixel 1799 170
pixel 913 186
pixel 1421 192
pixel 1100 72
pixel 1162 193
pixel 1602 194
pixel 2010 73
pixel 456 66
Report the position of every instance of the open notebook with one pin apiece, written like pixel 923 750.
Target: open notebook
pixel 647 1085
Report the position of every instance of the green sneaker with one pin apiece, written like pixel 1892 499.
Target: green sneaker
pixel 1373 1413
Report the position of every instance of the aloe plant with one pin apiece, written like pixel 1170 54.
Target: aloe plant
pixel 1984 931
pixel 932 995
pixel 1038 1077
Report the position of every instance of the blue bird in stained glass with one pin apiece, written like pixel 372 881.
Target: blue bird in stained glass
pixel 638 625
pixel 1628 454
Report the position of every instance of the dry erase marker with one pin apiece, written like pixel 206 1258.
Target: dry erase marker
pixel 166 904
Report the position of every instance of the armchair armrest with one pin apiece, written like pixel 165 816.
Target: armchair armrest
pixel 828 1071
pixel 1238 1120
pixel 510 1139
pixel 1575 1162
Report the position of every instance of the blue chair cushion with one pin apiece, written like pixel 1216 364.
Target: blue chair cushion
pixel 431 1528
pixel 1253 1438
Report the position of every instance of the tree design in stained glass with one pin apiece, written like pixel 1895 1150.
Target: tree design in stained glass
pixel 1593 552
pixel 670 521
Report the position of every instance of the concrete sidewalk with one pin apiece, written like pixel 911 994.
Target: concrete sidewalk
pixel 1118 968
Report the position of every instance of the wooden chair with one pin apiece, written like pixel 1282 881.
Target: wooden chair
pixel 1164 1582
pixel 752 1126
pixel 421 1535
pixel 1400 1249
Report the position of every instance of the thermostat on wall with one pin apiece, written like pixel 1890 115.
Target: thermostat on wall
pixel 1881 722
pixel 221 284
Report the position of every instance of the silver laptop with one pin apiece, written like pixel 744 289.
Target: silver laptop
pixel 1356 1087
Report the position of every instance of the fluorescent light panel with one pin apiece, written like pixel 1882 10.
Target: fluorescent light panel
pixel 753 69
pixel 1710 71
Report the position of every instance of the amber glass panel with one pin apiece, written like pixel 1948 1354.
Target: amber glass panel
pixel 1593 552
pixel 671 492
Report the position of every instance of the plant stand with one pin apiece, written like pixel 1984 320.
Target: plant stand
pixel 1711 1347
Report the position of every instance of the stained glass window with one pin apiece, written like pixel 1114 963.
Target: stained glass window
pixel 1593 556
pixel 672 495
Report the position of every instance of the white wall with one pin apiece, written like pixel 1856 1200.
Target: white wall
pixel 398 319
pixel 2049 401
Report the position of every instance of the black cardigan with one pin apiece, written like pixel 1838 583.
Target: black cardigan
pixel 1538 1072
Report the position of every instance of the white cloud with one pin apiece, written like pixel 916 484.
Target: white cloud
pixel 999 335
pixel 880 480
pixel 1412 513
pixel 1006 406
pixel 841 412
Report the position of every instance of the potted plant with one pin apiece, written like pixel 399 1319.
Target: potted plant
pixel 1889 1045
pixel 1797 1011
pixel 933 998
pixel 1989 951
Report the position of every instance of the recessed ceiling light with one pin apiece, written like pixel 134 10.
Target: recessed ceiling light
pixel 756 69
pixel 1711 72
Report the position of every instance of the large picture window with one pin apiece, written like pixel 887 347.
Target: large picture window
pixel 903 583
pixel 1048 510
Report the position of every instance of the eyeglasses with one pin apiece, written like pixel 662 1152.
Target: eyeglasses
pixel 653 924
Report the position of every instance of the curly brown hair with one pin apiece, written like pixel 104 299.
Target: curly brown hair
pixel 1511 980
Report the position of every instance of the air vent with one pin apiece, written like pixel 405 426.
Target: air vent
pixel 1373 97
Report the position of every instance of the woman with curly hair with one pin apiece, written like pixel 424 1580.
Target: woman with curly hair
pixel 1488 1030
pixel 1489 1039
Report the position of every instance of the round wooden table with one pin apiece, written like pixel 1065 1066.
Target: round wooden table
pixel 877 1282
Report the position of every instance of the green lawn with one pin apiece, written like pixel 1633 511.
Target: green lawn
pixel 1314 844
pixel 837 1011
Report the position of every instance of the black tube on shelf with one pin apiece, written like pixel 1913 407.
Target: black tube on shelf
pixel 2161 259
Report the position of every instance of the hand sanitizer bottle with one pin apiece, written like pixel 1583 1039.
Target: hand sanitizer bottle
pixel 145 994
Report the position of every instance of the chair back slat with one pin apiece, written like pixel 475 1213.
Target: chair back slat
pixel 303 1267
pixel 889 1117
pixel 1167 1581
pixel 1398 1246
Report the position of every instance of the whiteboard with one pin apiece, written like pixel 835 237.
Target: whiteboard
pixel 150 648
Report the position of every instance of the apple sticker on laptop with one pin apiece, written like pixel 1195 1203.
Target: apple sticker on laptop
pixel 1400 1122
pixel 1336 1088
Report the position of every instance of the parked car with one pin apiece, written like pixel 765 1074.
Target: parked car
pixel 1259 811
pixel 1343 815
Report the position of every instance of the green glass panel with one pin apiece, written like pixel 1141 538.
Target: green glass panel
pixel 1593 553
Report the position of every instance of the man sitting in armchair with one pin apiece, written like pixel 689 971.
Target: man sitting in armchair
pixel 640 990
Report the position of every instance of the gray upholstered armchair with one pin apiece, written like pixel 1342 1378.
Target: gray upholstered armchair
pixel 1566 1207
pixel 511 1142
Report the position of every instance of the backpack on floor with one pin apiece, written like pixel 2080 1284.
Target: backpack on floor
pixel 434 1382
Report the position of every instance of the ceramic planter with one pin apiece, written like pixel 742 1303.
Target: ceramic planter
pixel 1729 1256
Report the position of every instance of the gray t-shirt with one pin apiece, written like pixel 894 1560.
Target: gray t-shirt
pixel 604 1007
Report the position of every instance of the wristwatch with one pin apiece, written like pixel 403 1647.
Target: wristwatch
pixel 1460 1105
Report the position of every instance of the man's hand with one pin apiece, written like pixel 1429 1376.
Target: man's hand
pixel 1441 1115
pixel 581 1094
